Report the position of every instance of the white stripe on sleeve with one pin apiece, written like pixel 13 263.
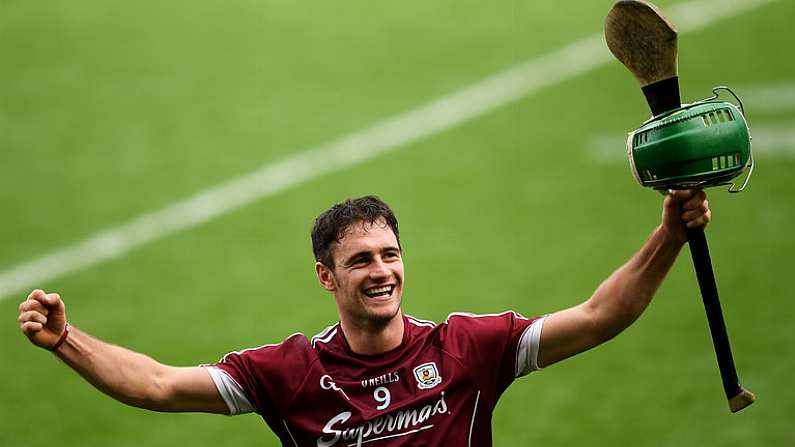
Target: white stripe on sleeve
pixel 230 391
pixel 527 350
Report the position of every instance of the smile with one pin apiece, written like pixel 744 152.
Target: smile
pixel 374 292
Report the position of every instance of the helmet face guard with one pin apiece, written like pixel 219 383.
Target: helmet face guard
pixel 698 145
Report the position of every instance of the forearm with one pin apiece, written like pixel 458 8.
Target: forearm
pixel 127 376
pixel 622 297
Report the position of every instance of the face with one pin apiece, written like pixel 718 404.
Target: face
pixel 367 278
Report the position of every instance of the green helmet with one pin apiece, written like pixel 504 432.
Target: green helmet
pixel 698 145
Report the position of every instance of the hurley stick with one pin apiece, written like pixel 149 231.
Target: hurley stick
pixel 644 40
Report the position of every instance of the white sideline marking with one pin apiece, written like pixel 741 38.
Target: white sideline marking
pixel 767 97
pixel 774 141
pixel 767 142
pixel 390 134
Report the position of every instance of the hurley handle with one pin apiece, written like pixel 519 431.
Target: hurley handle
pixel 737 396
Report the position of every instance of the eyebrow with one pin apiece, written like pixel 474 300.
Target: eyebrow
pixel 358 254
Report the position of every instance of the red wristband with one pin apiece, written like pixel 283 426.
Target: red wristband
pixel 62 339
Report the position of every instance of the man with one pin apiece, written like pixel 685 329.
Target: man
pixel 378 376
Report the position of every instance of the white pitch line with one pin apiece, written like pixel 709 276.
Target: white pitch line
pixel 773 142
pixel 768 98
pixel 388 135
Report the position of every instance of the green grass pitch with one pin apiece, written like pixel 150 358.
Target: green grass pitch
pixel 112 109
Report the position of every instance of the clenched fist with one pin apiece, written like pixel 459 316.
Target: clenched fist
pixel 42 318
pixel 685 209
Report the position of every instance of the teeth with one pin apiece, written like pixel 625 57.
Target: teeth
pixel 378 290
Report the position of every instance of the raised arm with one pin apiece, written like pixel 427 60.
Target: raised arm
pixel 623 296
pixel 127 376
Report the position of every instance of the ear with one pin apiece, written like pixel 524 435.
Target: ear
pixel 326 277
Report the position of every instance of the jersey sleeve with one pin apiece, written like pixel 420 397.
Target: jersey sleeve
pixel 266 377
pixel 232 393
pixel 496 349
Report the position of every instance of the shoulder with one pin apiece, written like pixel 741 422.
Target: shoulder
pixel 486 333
pixel 470 323
pixel 293 348
pixel 419 323
pixel 461 329
pixel 325 336
pixel 483 321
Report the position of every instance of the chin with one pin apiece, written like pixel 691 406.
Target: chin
pixel 384 313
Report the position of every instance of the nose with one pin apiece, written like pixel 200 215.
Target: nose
pixel 379 269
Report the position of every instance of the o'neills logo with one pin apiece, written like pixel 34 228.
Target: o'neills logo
pixel 398 423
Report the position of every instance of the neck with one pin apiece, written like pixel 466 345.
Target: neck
pixel 369 339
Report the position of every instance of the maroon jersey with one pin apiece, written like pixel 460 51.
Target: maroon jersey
pixel 438 388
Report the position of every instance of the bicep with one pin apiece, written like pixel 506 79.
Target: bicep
pixel 191 389
pixel 567 333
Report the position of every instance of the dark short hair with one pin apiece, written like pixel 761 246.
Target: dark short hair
pixel 330 226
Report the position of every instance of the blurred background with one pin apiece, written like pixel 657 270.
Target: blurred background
pixel 514 194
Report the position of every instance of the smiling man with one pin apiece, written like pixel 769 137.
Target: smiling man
pixel 358 255
pixel 377 376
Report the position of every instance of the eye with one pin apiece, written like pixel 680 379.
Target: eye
pixel 391 255
pixel 361 260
